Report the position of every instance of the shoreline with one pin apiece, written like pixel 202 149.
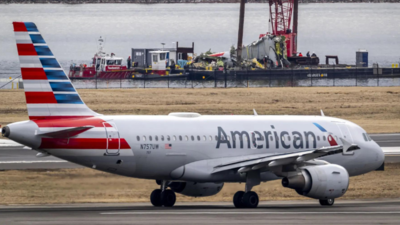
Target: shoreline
pixel 73 2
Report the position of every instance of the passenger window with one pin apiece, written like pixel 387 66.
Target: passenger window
pixel 150 138
pixel 174 138
pixel 216 137
pixel 162 137
pixel 283 138
pixel 204 138
pixel 288 138
pixel 156 138
pixel 210 138
pixel 228 138
pixel 192 138
pixel 180 137
pixel 186 138
pixel 144 138
pixel 271 138
pixel 317 138
pixel 198 138
pixel 168 138
pixel 137 138
pixel 324 138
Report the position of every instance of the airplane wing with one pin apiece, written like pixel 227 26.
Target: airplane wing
pixel 264 161
pixel 66 133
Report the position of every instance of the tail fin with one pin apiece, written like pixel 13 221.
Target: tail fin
pixel 49 92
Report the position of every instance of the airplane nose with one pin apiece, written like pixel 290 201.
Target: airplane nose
pixel 380 156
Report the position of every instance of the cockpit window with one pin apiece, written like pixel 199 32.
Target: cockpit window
pixel 367 137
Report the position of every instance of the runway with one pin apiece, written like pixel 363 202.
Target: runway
pixel 17 157
pixel 274 212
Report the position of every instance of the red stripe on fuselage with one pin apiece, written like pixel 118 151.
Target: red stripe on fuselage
pixel 56 117
pixel 19 27
pixel 83 143
pixel 40 98
pixel 72 121
pixel 26 49
pixel 33 74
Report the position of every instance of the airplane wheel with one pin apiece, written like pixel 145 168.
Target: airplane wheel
pixel 155 198
pixel 327 202
pixel 237 199
pixel 250 199
pixel 168 198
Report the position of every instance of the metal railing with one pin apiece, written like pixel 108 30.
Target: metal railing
pixel 256 78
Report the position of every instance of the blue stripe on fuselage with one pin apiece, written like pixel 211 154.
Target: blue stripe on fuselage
pixel 320 127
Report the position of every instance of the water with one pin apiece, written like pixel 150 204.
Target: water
pixel 72 30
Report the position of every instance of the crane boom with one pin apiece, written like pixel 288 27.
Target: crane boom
pixel 281 12
pixel 281 15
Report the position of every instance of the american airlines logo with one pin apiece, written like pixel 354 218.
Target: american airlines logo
pixel 262 139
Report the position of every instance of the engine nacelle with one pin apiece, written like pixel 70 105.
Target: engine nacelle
pixel 194 189
pixel 319 182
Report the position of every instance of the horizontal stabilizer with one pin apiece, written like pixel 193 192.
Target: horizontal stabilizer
pixel 67 133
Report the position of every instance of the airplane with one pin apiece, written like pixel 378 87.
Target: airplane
pixel 185 152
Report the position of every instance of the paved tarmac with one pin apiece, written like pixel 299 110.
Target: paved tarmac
pixel 277 212
pixel 12 158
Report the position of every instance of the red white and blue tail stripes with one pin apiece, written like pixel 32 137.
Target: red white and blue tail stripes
pixel 49 92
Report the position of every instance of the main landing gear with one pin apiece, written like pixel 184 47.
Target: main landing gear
pixel 327 202
pixel 245 200
pixel 248 199
pixel 163 197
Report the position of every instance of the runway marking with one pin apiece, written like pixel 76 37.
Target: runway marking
pixel 41 161
pixel 237 213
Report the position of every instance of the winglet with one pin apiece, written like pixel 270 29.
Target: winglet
pixel 322 113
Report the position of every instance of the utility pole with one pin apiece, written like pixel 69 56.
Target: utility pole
pixel 240 35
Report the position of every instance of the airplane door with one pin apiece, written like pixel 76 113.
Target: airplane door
pixel 113 140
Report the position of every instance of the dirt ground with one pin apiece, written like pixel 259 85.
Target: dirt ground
pixel 87 185
pixel 376 109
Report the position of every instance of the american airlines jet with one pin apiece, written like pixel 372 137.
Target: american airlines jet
pixel 187 153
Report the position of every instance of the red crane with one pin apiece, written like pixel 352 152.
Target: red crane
pixel 281 12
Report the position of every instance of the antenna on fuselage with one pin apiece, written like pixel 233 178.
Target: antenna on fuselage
pixel 255 112
pixel 322 113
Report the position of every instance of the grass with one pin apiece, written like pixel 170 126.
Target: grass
pixel 376 109
pixel 87 185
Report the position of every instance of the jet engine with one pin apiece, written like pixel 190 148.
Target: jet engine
pixel 194 189
pixel 319 182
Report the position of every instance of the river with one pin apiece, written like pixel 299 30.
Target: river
pixel 327 29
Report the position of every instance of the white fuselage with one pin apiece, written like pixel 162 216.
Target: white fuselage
pixel 157 145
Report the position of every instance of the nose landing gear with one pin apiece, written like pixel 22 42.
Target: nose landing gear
pixel 163 197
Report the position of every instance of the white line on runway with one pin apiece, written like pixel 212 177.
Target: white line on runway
pixel 236 213
pixel 42 161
